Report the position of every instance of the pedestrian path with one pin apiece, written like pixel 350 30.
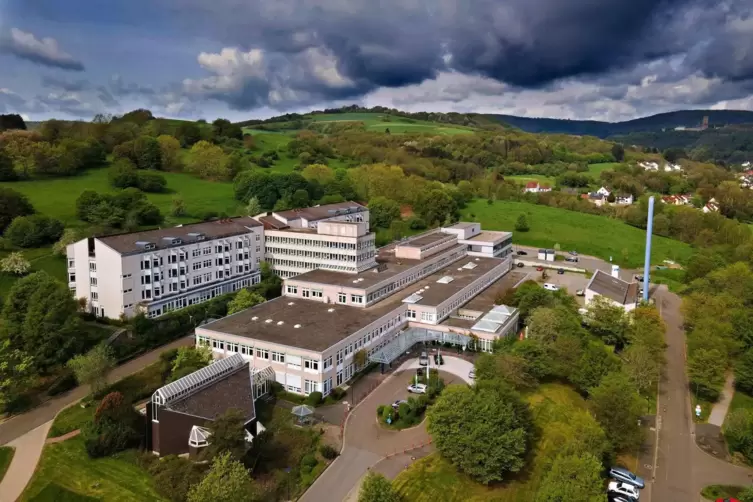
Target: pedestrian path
pixel 28 450
pixel 721 407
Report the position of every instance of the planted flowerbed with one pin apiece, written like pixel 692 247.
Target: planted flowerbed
pixel 406 413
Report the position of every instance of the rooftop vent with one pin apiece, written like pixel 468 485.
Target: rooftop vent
pixel 445 280
pixel 297 326
pixel 280 323
pixel 470 265
pixel 355 282
pixel 330 310
pixel 146 245
pixel 414 298
pixel 268 321
pixel 254 318
pixel 291 303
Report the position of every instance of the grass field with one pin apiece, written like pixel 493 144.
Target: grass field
pixel 434 479
pixel 378 122
pixel 117 478
pixel 40 259
pixel 6 455
pixel 72 418
pixel 525 178
pixel 587 233
pixel 741 400
pixel 57 197
pixel 595 170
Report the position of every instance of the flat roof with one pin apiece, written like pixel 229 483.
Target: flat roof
pixel 391 266
pixel 321 212
pixel 324 324
pixel 425 240
pixel 488 236
pixel 127 243
pixel 485 300
pixel 463 225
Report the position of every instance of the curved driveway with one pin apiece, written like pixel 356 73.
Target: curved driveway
pixel 366 442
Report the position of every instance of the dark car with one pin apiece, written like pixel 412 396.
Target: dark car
pixel 560 271
pixel 522 253
pixel 572 259
pixel 520 265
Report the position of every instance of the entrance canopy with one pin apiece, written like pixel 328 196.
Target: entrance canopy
pixel 411 336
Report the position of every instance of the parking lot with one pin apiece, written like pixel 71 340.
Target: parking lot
pixel 572 281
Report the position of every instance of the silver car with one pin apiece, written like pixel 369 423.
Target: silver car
pixel 622 474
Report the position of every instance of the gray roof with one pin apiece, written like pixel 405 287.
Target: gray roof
pixel 321 212
pixel 134 242
pixel 200 378
pixel 616 289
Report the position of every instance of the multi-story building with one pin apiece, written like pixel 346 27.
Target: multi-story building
pixel 156 271
pixel 331 237
pixel 432 287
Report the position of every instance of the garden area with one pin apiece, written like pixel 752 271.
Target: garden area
pixel 403 414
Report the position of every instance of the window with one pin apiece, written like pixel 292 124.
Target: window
pixel 339 357
pixel 306 293
pixel 342 298
pixel 278 357
pixel 71 263
pixel 317 293
pixel 339 377
pixel 195 253
pixel 145 294
pixel 246 350
pixel 206 251
pixel 310 364
pixel 292 290
pixel 328 363
pixel 93 267
pixel 173 258
pixel 95 296
pixel 292 388
pixel 327 387
pixel 202 341
pixel 238 245
pixel 262 353
pixel 218 249
pixel 410 314
pixel 146 279
pixel 71 277
pixel 356 299
pixel 218 344
pixel 310 386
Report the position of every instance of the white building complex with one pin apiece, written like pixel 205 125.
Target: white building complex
pixel 167 269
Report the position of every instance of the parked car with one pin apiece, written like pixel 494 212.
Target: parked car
pixel 551 287
pixel 571 259
pixel 397 403
pixel 438 359
pixel 520 265
pixel 472 374
pixel 622 474
pixel 539 269
pixel 573 253
pixel 638 278
pixel 423 359
pixel 624 489
pixel 560 271
pixel 417 388
pixel 522 253
pixel 580 292
pixel 614 497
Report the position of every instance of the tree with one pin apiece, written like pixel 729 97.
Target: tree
pixel 226 481
pixel 12 205
pixel 595 364
pixel 12 121
pixel 223 128
pixel 608 321
pixel 435 206
pixel 16 264
pixel 34 231
pixel 299 198
pixel 360 358
pixel 228 435
pixel 116 426
pixel 572 477
pixel 147 153
pixel 123 174
pixel 513 369
pixel 244 299
pixel 738 431
pixel 744 373
pixel 618 152
pixel 7 173
pixel 151 182
pixel 548 324
pixel 706 369
pixel 521 225
pixel 382 211
pixel 169 148
pixel 618 407
pixel 377 488
pixel 16 373
pixel 69 236
pixel 188 133
pixel 174 476
pixel 253 207
pixel 643 367
pixel 208 161
pixel 188 360
pixel 495 432
pixel 93 367
pixel 318 173
pixel 178 207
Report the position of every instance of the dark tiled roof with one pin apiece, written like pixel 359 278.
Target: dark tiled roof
pixel 272 223
pixel 322 212
pixel 126 243
pixel 232 391
pixel 613 288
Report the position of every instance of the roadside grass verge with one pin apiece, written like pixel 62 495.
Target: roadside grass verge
pixel 72 418
pixel 6 455
pixel 587 233
pixel 713 492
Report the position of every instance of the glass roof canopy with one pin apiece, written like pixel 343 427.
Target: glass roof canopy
pixel 411 336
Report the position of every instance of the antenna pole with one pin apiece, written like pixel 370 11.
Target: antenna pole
pixel 649 231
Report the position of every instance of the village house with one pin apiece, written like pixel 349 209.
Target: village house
pixel 535 187
pixel 712 206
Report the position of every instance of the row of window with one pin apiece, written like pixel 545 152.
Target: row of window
pixel 317 243
pixel 260 353
pixel 303 265
pixel 202 296
pixel 366 339
pixel 280 252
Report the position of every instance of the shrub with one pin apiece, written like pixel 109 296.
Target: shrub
pixel 328 451
pixel 314 398
pixel 308 462
pixel 174 476
pixel 416 223
pixel 106 438
pixel 380 410
pixel 34 231
pixel 123 174
pixel 64 383
pixel 151 182
pixel 738 431
pixel 338 393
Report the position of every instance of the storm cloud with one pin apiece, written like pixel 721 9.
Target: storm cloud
pixel 45 51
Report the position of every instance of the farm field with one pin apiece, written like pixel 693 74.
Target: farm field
pixel 433 479
pixel 522 179
pixel 396 125
pixel 65 467
pixel 57 197
pixel 587 233
pixel 595 170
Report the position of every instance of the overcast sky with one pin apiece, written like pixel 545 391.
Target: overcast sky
pixel 240 59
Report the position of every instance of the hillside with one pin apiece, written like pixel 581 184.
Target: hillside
pixel 670 120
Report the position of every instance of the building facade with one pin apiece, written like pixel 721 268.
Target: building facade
pixel 157 271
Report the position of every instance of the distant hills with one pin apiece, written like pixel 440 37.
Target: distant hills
pixel 670 120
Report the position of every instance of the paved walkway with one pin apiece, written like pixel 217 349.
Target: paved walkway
pixel 28 450
pixel 721 407
pixel 366 443
pixel 19 425
pixel 64 437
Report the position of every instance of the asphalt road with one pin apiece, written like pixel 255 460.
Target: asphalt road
pixel 19 425
pixel 584 261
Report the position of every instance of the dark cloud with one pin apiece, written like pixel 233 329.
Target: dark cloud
pixel 120 87
pixel 45 51
pixel 65 85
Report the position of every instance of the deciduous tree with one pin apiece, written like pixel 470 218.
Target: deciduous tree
pixel 188 360
pixel 226 481
pixel 572 477
pixel 244 299
pixel 377 488
pixel 382 211
pixel 12 205
pixel 15 264
pixel 169 148
pixel 93 367
pixel 618 407
pixel 16 373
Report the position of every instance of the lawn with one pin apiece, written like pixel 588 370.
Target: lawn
pixel 740 400
pixel 40 259
pixel 587 233
pixel 66 464
pixel 57 197
pixel 379 122
pixel 434 479
pixel 72 418
pixel 6 455
pixel 595 170
pixel 525 178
